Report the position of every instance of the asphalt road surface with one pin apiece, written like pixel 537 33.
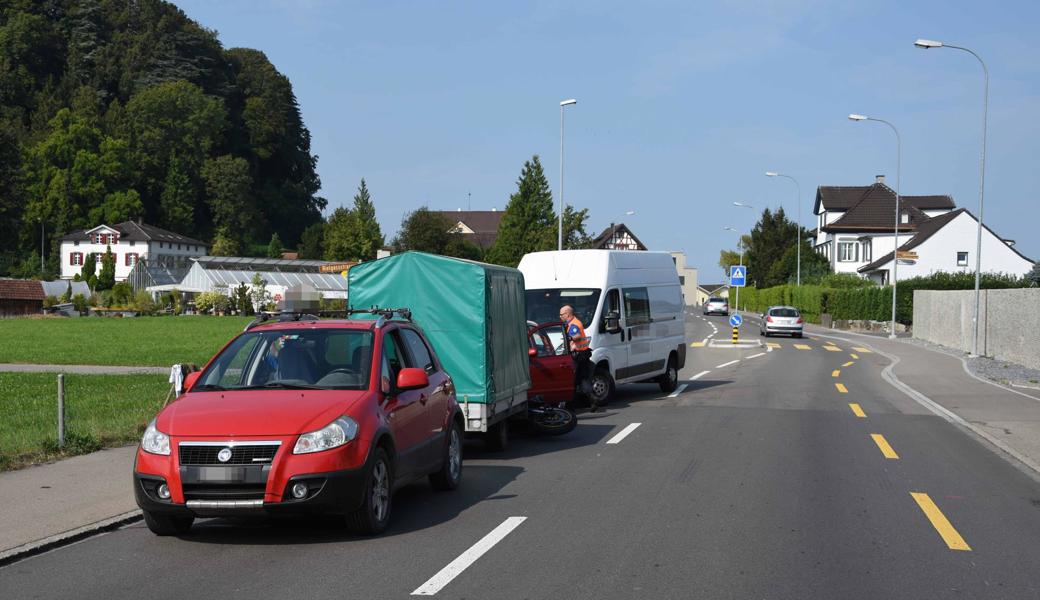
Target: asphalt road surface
pixel 796 472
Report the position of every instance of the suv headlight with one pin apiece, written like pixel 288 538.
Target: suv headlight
pixel 155 441
pixel 333 435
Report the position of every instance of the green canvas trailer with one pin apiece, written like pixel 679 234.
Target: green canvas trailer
pixel 473 314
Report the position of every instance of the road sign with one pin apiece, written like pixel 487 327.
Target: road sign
pixel 737 275
pixel 736 320
pixel 906 254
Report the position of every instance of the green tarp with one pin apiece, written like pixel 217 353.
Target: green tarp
pixel 472 313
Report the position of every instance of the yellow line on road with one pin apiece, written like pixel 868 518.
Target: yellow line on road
pixel 841 388
pixel 697 345
pixel 883 445
pixel 863 350
pixel 848 364
pixel 856 356
pixel 949 535
pixel 802 347
pixel 832 348
pixel 835 372
pixel 773 345
pixel 856 410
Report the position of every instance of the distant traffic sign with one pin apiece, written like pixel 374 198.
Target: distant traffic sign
pixel 737 275
pixel 736 320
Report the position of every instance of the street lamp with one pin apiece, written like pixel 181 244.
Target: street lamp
pixel 563 105
pixel 895 236
pixel 741 205
pixel 799 200
pixel 926 44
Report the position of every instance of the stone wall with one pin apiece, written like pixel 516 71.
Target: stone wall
pixel 1009 322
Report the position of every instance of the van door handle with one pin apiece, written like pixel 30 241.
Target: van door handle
pixel 622 335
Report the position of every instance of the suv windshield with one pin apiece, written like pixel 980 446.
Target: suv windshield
pixel 326 359
pixel 543 306
pixel 784 312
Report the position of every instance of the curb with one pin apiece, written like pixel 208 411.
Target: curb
pixel 24 551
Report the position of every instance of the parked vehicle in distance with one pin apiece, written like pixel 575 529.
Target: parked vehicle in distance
pixel 716 306
pixel 303 416
pixel 781 320
pixel 630 303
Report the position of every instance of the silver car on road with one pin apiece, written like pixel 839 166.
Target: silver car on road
pixel 716 306
pixel 781 319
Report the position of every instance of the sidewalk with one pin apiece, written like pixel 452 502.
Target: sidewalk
pixel 1008 419
pixel 83 369
pixel 47 504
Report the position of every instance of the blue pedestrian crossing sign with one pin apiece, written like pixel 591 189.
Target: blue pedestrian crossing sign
pixel 737 275
pixel 735 320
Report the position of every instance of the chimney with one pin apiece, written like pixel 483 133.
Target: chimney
pixel 879 179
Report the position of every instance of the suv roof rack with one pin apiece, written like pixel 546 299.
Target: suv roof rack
pixel 384 314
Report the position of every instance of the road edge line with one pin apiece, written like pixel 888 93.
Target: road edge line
pixel 53 542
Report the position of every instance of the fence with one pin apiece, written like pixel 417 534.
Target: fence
pixel 1009 322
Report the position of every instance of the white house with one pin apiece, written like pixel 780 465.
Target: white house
pixel 687 278
pixel 947 243
pixel 855 224
pixel 130 241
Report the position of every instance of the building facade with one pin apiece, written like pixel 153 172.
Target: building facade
pixel 687 278
pixel 130 242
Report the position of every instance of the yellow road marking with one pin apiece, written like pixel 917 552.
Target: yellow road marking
pixel 848 364
pixel 856 410
pixel 835 372
pixel 697 345
pixel 832 348
pixel 856 356
pixel 883 445
pixel 802 347
pixel 773 345
pixel 841 388
pixel 863 350
pixel 949 535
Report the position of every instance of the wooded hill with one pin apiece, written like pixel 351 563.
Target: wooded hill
pixel 118 109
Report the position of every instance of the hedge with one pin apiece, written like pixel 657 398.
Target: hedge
pixel 867 303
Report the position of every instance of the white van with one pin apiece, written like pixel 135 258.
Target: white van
pixel 630 302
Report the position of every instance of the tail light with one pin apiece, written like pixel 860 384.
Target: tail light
pixel 769 319
pixel 799 321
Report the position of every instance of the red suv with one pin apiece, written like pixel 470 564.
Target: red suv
pixel 303 416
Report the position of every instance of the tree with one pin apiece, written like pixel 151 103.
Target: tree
pixel 1034 275
pixel 423 230
pixel 177 202
pixel 227 183
pixel 106 280
pixel 772 238
pixel 274 248
pixel 225 246
pixel 258 293
pixel 354 234
pixel 575 237
pixel 312 242
pixel 67 296
pixel 728 258
pixel 528 224
pixel 88 270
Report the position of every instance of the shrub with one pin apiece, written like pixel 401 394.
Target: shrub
pixel 143 303
pixel 49 301
pixel 79 302
pixel 211 302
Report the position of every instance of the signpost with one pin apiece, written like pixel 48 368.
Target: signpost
pixel 735 321
pixel 737 279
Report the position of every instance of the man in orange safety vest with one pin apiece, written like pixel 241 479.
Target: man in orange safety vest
pixel 578 343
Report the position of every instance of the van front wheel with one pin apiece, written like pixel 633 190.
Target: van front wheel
pixel 669 380
pixel 602 385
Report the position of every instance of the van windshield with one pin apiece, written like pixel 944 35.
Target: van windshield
pixel 543 306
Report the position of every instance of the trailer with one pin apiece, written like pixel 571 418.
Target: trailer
pixel 473 314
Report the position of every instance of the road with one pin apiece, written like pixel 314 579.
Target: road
pixel 760 479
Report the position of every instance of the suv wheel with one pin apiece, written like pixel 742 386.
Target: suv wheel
pixel 669 380
pixel 167 524
pixel 450 474
pixel 374 514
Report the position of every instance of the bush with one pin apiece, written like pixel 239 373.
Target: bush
pixel 211 302
pixel 143 303
pixel 79 302
pixel 49 301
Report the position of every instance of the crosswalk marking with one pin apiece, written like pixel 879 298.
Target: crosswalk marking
pixel 832 348
pixel 859 349
pixel 802 347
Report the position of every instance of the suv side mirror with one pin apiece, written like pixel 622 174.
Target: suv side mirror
pixel 412 379
pixel 532 352
pixel 189 380
pixel 612 322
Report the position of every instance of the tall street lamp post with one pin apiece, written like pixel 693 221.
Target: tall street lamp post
pixel 798 277
pixel 563 105
pixel 895 234
pixel 926 44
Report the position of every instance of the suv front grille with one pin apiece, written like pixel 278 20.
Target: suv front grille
pixel 224 491
pixel 240 455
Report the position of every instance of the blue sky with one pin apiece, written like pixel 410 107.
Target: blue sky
pixel 682 106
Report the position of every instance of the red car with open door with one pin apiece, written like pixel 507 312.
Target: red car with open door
pixel 552 369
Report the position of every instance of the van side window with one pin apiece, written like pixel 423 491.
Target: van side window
pixel 612 304
pixel 637 306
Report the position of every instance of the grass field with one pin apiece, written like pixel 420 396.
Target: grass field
pixel 101 410
pixel 148 341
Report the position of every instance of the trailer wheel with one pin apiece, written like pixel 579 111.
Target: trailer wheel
pixel 497 437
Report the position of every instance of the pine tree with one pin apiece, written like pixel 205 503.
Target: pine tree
pixel 367 236
pixel 274 247
pixel 528 224
pixel 89 270
pixel 107 278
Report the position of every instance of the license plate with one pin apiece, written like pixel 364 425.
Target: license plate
pixel 222 474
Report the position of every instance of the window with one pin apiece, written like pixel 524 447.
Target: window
pixel 904 218
pixel 682 280
pixel 76 259
pixel 962 259
pixel 393 359
pixel 847 251
pixel 637 306
pixel 75 243
pixel 866 250
pixel 131 259
pixel 132 242
pixel 541 344
pixel 611 305
pixel 543 306
pixel 417 347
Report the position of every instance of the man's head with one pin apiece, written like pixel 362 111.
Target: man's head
pixel 566 313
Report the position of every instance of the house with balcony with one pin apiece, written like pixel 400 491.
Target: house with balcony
pixel 131 242
pixel 856 232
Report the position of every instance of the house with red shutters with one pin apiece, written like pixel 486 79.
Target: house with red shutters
pixel 130 242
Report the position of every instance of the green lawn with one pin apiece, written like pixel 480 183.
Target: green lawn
pixel 148 341
pixel 100 410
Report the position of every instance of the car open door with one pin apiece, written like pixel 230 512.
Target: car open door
pixel 552 370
